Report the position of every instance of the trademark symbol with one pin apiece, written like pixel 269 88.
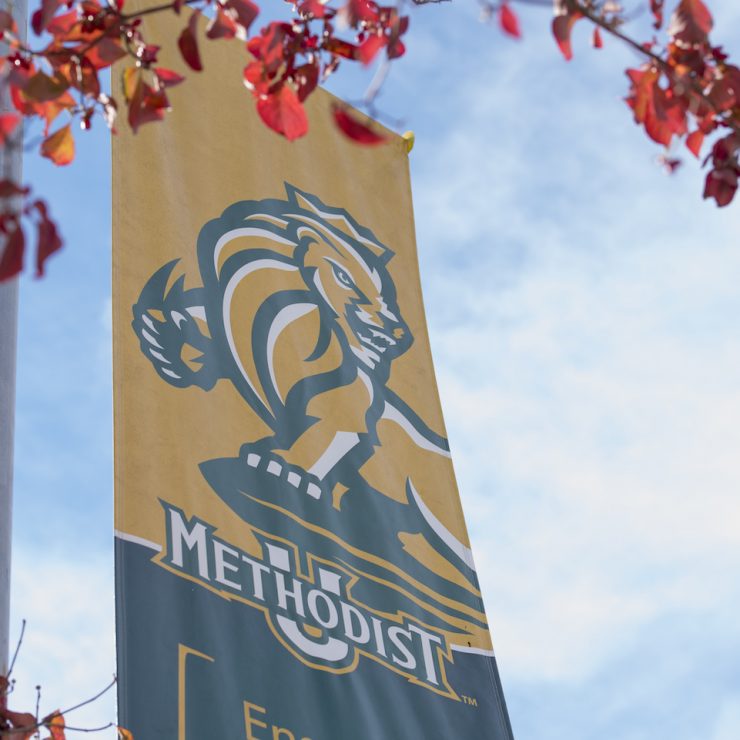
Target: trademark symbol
pixel 469 700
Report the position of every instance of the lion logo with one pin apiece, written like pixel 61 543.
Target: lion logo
pixel 298 310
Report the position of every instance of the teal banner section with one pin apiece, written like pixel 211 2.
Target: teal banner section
pixel 211 669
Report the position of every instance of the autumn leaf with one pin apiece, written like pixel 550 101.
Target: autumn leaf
pixel 55 721
pixel 8 123
pixel 105 52
pixel 7 23
pixel 657 109
pixel 188 43
pixel 23 722
pixel 341 48
pixel 42 17
pixel 597 41
pixel 656 8
pixel 244 10
pixel 312 7
pixel 694 142
pixel 690 23
pixel 357 11
pixel 306 78
pixel 562 26
pixel 355 129
pixel 130 79
pixel 168 78
pixel 147 105
pixel 222 26
pixel 41 88
pixel 369 48
pixel 61 25
pixel 48 242
pixel 721 184
pixel 8 189
pixel 509 21
pixel 283 112
pixel 60 146
pixel 254 78
pixel 11 264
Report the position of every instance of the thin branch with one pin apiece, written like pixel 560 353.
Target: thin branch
pixel 17 648
pixel 91 699
pixel 90 729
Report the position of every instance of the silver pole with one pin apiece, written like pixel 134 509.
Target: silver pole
pixel 10 166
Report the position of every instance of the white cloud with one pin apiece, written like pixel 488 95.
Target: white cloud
pixel 583 311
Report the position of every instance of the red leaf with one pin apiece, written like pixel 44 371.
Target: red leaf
pixel 396 49
pixel 254 78
pixel 7 23
pixel 509 21
pixel 188 43
pixel 246 11
pixel 11 263
pixel 341 48
pixel 724 93
pixel 59 147
pixel 369 48
pixel 352 127
pixel 146 104
pixel 658 110
pixel 307 78
pixel 106 52
pixel 284 113
pixel 42 17
pixel 41 88
pixel 562 26
pixel 721 184
pixel 671 164
pixel 597 41
pixel 691 22
pixel 222 26
pixel 49 242
pixel 7 190
pixel 656 8
pixel 694 141
pixel 312 7
pixel 61 25
pixel 168 78
pixel 357 11
pixel 8 123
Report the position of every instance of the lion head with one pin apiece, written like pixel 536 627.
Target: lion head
pixel 296 297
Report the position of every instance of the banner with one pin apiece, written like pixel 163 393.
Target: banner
pixel 292 561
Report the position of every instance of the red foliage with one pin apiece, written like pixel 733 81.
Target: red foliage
pixel 509 21
pixel 686 89
pixel 562 26
pixel 188 43
pixel 354 128
pixel 283 112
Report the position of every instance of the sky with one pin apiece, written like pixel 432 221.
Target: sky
pixel 582 308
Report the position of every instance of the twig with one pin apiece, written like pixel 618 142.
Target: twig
pixel 17 648
pixel 91 699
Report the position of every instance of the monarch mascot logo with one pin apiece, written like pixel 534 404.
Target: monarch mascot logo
pixel 299 312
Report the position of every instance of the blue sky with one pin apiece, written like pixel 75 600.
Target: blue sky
pixel 582 307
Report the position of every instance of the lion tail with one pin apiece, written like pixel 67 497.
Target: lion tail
pixel 171 325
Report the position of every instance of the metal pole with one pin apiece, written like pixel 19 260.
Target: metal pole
pixel 10 166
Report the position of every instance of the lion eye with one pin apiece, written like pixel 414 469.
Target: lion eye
pixel 342 277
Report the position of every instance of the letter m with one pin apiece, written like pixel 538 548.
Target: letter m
pixel 191 536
